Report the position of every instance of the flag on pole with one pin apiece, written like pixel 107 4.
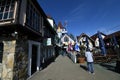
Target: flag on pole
pixel 101 44
pixel 87 43
pixel 77 47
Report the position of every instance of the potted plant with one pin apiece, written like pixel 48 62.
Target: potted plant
pixel 81 58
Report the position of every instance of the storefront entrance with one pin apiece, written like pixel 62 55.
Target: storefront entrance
pixel 34 57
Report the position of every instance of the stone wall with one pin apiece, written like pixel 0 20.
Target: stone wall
pixel 21 60
pixel 15 60
pixel 8 59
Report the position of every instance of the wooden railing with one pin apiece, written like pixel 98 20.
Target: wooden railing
pixel 105 59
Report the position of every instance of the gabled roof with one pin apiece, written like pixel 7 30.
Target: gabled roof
pixel 67 36
pixel 96 35
pixel 84 35
pixel 60 25
pixel 113 34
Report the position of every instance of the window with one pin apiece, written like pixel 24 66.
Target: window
pixel 66 39
pixel 6 9
pixel 33 17
pixel 10 14
pixel 5 15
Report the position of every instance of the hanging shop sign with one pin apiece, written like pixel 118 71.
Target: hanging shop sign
pixel 49 41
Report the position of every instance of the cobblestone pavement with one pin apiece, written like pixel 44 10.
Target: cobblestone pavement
pixel 64 69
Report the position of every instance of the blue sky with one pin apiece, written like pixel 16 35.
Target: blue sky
pixel 85 16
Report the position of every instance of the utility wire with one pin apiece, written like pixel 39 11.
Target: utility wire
pixel 112 28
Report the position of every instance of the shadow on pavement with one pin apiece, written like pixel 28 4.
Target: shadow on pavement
pixel 48 62
pixel 109 66
pixel 84 67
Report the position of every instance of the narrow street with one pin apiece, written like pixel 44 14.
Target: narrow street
pixel 64 69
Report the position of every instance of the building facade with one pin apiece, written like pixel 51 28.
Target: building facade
pixel 61 30
pixel 49 42
pixel 86 41
pixel 112 43
pixel 99 43
pixel 23 27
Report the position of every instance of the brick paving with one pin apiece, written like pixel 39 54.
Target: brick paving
pixel 64 69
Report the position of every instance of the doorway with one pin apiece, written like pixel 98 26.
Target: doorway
pixel 33 57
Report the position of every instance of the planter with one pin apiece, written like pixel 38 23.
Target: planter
pixel 81 59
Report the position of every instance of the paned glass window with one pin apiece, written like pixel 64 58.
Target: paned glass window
pixel 1 15
pixel 33 17
pixel 6 9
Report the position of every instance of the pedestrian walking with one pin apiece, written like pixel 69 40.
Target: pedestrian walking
pixel 89 58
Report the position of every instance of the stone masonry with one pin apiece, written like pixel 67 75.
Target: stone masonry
pixel 15 59
pixel 8 59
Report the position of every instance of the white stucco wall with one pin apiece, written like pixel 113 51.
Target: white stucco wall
pixel 82 39
pixel 69 41
pixel 51 22
pixel 97 41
